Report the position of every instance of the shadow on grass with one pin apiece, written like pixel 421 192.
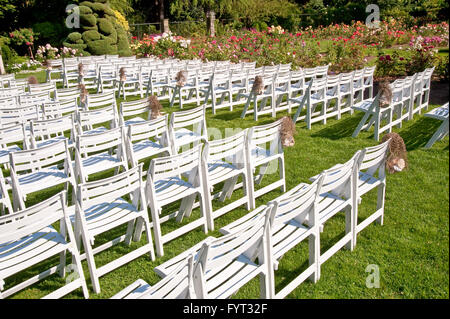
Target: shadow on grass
pixel 417 135
pixel 341 129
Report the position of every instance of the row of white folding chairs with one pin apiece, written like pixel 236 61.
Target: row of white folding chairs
pixel 409 96
pixel 253 245
pixel 283 90
pixel 162 171
pixel 162 79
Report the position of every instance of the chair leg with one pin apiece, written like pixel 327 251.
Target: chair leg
pixel 380 202
pixel 349 226
pixel 313 243
pixel 91 263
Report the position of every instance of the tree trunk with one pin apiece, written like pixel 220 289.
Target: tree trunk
pixel 210 20
pixel 2 67
pixel 161 16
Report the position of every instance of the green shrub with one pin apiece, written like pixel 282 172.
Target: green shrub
pixel 105 26
pixel 123 46
pixel 49 32
pixel 75 46
pixel 74 37
pixel 85 10
pixel 88 20
pixel 98 8
pixel 91 36
pixel 8 54
pixel 85 28
pixel 100 47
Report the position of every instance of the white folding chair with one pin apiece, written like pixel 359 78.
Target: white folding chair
pixel 346 94
pixel 314 95
pixel 157 83
pixel 54 67
pixel 68 94
pixel 11 140
pixel 371 174
pixel 9 102
pixel 131 86
pixel 225 161
pixel 228 263
pixel 186 128
pixel 60 108
pixel 89 77
pixel 358 86
pixel 165 186
pixel 46 132
pixel 282 90
pixel 259 101
pixel 148 139
pixel 367 84
pixel 18 115
pixel 99 152
pixel 5 202
pixel 258 155
pixel 337 193
pixel 101 207
pixel 439 113
pixel 40 168
pixel 107 78
pixel 12 91
pixel 426 87
pixel 177 285
pixel 37 98
pixel 294 218
pixel 219 88
pixel 43 87
pixel 98 120
pixel 6 80
pixel 70 74
pixel 374 115
pixel 129 110
pixel 27 239
pixel 188 93
pixel 416 95
pixel 100 100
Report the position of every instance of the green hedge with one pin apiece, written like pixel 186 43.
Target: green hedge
pixel 85 10
pixel 91 35
pixel 100 47
pixel 88 20
pixel 74 37
pixel 105 26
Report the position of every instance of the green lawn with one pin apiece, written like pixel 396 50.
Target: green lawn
pixel 411 249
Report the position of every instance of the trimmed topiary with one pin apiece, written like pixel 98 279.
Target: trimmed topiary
pixel 84 28
pixel 105 26
pixel 75 46
pixel 74 37
pixel 100 31
pixel 88 20
pixel 85 10
pixel 91 35
pixel 123 46
pixel 100 47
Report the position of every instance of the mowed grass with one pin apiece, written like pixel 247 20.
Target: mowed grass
pixel 411 249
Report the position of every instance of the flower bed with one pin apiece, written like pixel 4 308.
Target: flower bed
pixel 344 47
